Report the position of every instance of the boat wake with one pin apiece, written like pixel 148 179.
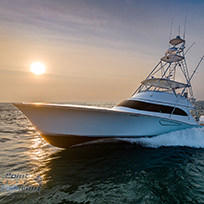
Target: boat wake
pixel 202 120
pixel 193 137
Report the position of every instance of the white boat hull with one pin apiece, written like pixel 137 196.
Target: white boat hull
pixel 64 126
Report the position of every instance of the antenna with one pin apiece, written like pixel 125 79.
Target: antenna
pixel 185 21
pixel 179 29
pixel 172 21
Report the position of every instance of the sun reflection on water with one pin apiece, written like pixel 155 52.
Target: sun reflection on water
pixel 40 154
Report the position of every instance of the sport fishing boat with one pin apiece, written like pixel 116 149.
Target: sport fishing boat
pixel 161 104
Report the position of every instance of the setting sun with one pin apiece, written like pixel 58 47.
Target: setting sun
pixel 37 68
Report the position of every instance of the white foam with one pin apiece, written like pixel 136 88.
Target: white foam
pixel 201 119
pixel 193 137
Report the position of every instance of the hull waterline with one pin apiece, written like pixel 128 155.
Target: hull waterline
pixel 66 141
pixel 65 126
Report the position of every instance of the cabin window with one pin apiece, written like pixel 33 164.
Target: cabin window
pixel 152 107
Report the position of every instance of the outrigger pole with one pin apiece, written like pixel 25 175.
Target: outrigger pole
pixel 196 68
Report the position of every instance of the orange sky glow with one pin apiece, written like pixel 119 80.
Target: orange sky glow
pixel 96 51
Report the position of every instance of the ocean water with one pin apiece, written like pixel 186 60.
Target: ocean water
pixel 166 169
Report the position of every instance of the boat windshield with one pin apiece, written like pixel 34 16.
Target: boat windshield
pixel 139 105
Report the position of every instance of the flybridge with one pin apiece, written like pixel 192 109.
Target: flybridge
pixel 164 83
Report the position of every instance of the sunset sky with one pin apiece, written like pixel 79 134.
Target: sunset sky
pixel 93 50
